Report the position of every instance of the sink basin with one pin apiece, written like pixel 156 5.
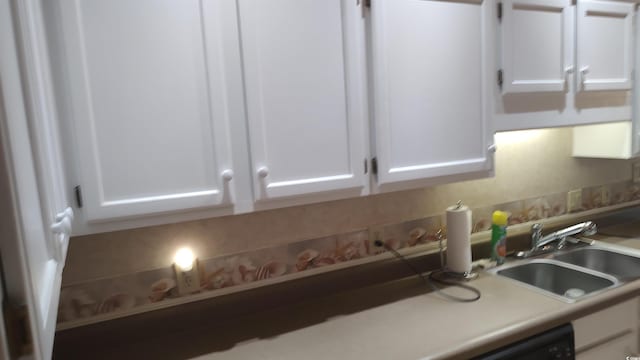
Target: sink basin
pixel 560 280
pixel 619 265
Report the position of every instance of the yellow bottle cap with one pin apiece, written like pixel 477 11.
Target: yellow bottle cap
pixel 500 218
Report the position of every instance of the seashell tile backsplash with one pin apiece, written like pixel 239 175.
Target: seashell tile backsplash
pixel 102 299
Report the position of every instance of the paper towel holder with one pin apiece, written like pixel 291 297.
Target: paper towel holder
pixel 466 276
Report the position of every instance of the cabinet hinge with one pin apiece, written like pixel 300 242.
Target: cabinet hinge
pixel 499 13
pixel 374 166
pixel 78 192
pixel 18 330
pixel 500 80
pixel 366 166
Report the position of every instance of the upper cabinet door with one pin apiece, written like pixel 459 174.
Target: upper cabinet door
pixel 44 127
pixel 34 226
pixel 534 45
pixel 605 44
pixel 429 69
pixel 305 88
pixel 150 104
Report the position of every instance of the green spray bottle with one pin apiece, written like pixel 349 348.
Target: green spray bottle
pixel 499 236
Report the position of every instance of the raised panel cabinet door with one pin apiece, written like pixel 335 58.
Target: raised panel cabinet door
pixel 304 77
pixel 150 106
pixel 428 67
pixel 624 347
pixel 32 262
pixel 604 45
pixel 601 326
pixel 44 126
pixel 534 45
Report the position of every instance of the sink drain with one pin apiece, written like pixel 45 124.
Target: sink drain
pixel 574 293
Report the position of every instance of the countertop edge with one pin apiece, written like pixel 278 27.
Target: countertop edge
pixel 523 329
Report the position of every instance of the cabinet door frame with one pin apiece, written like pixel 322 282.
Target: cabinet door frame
pixel 612 8
pixel 635 95
pixel 512 85
pixel 34 247
pixel 393 178
pixel 352 183
pixel 44 126
pixel 217 30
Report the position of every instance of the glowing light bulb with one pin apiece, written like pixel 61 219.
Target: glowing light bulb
pixel 184 259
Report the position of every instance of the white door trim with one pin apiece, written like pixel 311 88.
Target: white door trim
pixel 35 268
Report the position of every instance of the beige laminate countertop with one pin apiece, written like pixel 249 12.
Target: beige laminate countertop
pixel 427 326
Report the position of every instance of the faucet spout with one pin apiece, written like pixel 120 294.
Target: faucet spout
pixel 538 242
pixel 585 228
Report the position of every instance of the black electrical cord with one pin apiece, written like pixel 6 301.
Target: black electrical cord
pixel 431 280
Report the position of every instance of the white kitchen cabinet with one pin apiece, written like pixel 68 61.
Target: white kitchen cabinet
pixel 44 127
pixel 535 45
pixel 537 41
pixel 608 334
pixel 152 91
pixel 543 47
pixel 615 140
pixel 618 348
pixel 36 217
pixel 429 77
pixel 306 97
pixel 604 45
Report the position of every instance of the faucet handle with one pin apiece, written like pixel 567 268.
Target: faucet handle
pixel 536 234
pixel 590 228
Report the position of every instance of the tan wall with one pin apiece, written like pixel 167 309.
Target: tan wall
pixel 528 164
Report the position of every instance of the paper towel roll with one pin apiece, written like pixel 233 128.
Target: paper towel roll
pixel 459 239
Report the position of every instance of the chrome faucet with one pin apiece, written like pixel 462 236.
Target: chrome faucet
pixel 538 242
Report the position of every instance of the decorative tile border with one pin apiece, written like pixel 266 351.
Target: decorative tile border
pixel 137 292
pixel 124 293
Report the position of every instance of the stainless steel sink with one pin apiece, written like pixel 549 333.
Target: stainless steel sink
pixel 557 279
pixel 622 266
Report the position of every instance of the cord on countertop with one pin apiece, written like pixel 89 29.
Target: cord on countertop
pixel 434 277
pixel 484 264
